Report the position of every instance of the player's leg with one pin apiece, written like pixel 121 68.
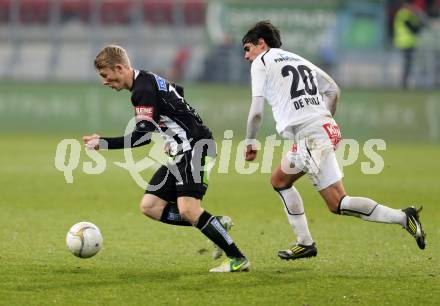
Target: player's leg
pixel 327 178
pixel 328 181
pixel 190 208
pixel 161 210
pixel 282 182
pixel 192 179
pixel 227 224
pixel 367 209
pixel 159 201
pixel 152 206
pixel 292 202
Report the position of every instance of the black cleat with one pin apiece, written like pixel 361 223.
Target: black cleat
pixel 298 251
pixel 413 225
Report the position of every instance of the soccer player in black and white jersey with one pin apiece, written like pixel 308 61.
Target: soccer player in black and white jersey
pixel 175 191
pixel 303 100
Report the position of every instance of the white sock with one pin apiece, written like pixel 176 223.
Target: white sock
pixel 369 210
pixel 294 208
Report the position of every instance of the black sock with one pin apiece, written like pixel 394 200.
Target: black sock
pixel 171 215
pixel 211 228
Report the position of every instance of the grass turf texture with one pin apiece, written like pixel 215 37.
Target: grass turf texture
pixel 148 263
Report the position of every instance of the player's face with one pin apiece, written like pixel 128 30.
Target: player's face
pixel 251 51
pixel 113 78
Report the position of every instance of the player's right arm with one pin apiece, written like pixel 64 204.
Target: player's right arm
pixel 255 117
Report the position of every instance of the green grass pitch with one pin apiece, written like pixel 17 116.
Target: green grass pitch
pixel 144 262
pixel 148 263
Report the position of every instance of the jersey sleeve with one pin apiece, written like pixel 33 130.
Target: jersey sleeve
pixel 258 76
pixel 328 89
pixel 132 140
pixel 144 100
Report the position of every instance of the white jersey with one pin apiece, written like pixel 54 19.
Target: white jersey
pixel 291 85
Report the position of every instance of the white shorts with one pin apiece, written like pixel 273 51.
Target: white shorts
pixel 314 151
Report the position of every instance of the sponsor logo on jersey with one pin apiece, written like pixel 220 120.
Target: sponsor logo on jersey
pixel 161 83
pixel 284 58
pixel 333 133
pixel 144 113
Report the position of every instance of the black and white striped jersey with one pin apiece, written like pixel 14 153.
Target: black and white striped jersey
pixel 160 108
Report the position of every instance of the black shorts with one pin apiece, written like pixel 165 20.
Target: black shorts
pixel 186 176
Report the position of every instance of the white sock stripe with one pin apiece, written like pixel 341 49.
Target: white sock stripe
pixel 209 220
pixel 357 206
pixel 222 231
pixel 369 210
pixel 360 212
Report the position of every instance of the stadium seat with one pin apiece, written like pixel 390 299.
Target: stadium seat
pixel 155 12
pixel 4 11
pixel 34 11
pixel 116 12
pixel 194 12
pixel 76 10
pixel 159 12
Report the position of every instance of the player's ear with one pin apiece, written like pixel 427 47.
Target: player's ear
pixel 118 68
pixel 261 42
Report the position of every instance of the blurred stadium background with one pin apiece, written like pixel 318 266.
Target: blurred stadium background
pixel 47 49
pixel 49 91
pixel 198 40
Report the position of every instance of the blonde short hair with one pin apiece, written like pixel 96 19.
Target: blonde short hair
pixel 110 56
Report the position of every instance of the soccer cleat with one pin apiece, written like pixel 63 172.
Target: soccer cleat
pixel 227 224
pixel 298 251
pixel 413 225
pixel 231 264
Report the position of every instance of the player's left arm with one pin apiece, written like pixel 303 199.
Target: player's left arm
pixel 132 140
pixel 328 89
pixel 147 117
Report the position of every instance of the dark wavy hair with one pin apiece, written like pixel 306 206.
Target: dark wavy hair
pixel 267 31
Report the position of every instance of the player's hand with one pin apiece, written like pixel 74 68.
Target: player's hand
pixel 167 149
pixel 250 153
pixel 91 142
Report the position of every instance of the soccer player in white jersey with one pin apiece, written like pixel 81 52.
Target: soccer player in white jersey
pixel 303 100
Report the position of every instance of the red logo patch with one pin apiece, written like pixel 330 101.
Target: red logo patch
pixel 333 133
pixel 294 148
pixel 144 113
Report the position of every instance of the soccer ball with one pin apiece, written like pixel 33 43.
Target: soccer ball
pixel 84 239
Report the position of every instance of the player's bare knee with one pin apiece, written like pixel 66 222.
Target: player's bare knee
pixel 186 212
pixel 149 205
pixel 332 196
pixel 333 207
pixel 332 204
pixel 278 182
pixel 146 207
pixel 189 209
